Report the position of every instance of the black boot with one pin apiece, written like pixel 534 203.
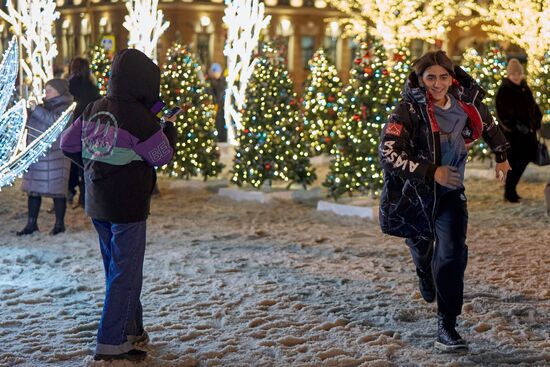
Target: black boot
pixel 31 227
pixel 60 206
pixel 426 285
pixel 448 338
pixel 33 204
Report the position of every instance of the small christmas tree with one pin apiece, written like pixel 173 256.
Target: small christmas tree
pixel 196 149
pixel 321 94
pixel 272 145
pixel 488 70
pixel 374 89
pixel 101 68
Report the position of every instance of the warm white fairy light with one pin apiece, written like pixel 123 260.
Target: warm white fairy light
pixel 525 23
pixel 33 23
pixel 20 163
pixel 244 19
pixel 145 24
pixel 397 22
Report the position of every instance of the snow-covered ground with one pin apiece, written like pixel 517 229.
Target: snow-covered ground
pixel 249 284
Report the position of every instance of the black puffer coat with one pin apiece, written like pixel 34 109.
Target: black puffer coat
pixel 410 153
pixel 521 118
pixel 84 92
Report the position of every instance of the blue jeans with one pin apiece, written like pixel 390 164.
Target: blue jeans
pixel 448 258
pixel 123 248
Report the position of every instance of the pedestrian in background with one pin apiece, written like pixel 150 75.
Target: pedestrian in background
pixel 49 175
pixel 520 118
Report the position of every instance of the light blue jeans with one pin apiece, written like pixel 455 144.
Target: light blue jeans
pixel 123 249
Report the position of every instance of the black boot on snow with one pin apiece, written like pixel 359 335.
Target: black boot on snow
pixel 448 339
pixel 31 227
pixel 426 285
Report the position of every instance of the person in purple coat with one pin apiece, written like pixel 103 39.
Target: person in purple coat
pixel 118 139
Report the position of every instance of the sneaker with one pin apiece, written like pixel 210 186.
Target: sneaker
pixel 135 355
pixel 448 339
pixel 426 286
pixel 139 340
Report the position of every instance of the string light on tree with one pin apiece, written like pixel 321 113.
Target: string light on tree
pixel 272 144
pixel 320 103
pixel 196 149
pixel 488 70
pixel 540 83
pixel 367 101
pixel 245 20
pixel 145 24
pixel 33 23
pixel 101 68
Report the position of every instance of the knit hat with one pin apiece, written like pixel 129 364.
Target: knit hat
pixel 60 85
pixel 514 66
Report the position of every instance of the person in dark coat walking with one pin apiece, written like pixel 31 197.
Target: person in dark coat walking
pixel 520 119
pixel 84 91
pixel 218 86
pixel 423 152
pixel 118 139
pixel 49 175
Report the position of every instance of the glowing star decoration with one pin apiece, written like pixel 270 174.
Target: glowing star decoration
pixel 20 163
pixel 145 24
pixel 397 22
pixel 11 129
pixel 245 20
pixel 525 23
pixel 33 23
pixel 8 73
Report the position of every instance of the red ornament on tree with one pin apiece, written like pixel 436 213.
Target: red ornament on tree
pixel 356 117
pixel 246 131
pixel 397 57
pixel 267 166
pixel 330 98
pixel 357 61
pixel 368 70
pixel 327 139
pixel 385 72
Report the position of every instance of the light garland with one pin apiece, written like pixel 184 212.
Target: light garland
pixel 20 163
pixel 145 24
pixel 245 20
pixel 12 125
pixel 33 23
pixel 8 73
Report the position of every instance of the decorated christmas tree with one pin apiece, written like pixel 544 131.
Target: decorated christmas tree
pixel 374 89
pixel 196 149
pixel 272 144
pixel 488 69
pixel 101 68
pixel 540 84
pixel 320 103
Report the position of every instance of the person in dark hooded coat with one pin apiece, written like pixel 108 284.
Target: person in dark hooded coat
pixel 49 175
pixel 520 118
pixel 118 139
